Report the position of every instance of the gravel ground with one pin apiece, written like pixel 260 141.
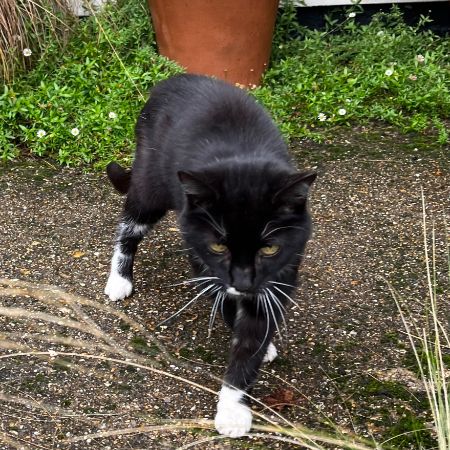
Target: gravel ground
pixel 99 375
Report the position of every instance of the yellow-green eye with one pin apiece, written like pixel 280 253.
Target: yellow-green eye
pixel 270 250
pixel 218 248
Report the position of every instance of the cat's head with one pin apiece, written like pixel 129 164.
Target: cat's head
pixel 246 226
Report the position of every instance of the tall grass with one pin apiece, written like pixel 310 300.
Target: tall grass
pixel 429 337
pixel 27 28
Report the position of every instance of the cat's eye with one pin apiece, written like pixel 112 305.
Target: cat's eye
pixel 270 250
pixel 218 248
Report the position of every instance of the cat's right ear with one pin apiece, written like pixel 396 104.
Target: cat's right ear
pixel 197 190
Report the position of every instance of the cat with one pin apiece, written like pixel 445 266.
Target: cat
pixel 209 151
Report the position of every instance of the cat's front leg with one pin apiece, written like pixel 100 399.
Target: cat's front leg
pixel 251 338
pixel 129 234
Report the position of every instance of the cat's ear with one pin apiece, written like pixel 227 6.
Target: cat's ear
pixel 294 193
pixel 196 189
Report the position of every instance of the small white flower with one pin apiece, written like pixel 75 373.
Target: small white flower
pixel 388 72
pixel 26 52
pixel 75 131
pixel 322 117
pixel 420 58
pixel 413 77
pixel 342 112
pixel 41 133
pixel 351 15
pixel 112 115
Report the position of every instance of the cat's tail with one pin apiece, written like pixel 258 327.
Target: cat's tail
pixel 119 177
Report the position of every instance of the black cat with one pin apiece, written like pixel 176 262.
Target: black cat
pixel 207 150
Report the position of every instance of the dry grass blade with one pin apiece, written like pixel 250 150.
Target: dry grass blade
pixel 113 352
pixel 13 443
pixel 52 295
pixel 29 24
pixel 429 339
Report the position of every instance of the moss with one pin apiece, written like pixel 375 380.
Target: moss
pixel 205 355
pixel 390 389
pixel 285 362
pixel 318 349
pixel 89 410
pixel 389 337
pixel 410 431
pixel 141 346
pixel 109 406
pixel 185 352
pixel 66 402
pixel 124 326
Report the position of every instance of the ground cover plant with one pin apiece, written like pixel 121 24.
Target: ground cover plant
pixel 80 107
pixel 385 70
pixel 78 104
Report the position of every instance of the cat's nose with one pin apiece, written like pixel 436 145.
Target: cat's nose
pixel 241 279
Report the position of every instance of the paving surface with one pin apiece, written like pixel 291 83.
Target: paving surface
pixel 89 377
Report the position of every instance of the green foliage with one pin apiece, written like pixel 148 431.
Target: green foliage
pixel 353 73
pixel 96 86
pixel 410 431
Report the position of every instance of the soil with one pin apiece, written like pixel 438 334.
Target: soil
pixel 80 372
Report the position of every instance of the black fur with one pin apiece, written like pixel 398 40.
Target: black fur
pixel 207 150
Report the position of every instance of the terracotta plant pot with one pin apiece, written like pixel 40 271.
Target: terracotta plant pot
pixel 229 39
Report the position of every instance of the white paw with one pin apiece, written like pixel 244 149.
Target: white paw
pixel 233 419
pixel 271 353
pixel 118 287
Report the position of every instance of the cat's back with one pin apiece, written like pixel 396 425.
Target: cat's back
pixel 189 110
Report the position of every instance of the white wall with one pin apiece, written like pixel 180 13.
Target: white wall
pixel 77 6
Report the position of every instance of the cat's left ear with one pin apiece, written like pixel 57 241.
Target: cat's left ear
pixel 196 189
pixel 295 191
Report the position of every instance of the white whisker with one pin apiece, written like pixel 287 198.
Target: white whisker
pixel 269 304
pixel 214 309
pixel 264 300
pixel 279 305
pixel 283 284
pixel 193 280
pixel 263 232
pixel 219 228
pixel 264 236
pixel 182 250
pixel 287 296
pixel 203 291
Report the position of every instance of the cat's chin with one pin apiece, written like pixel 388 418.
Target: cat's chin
pixel 233 292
